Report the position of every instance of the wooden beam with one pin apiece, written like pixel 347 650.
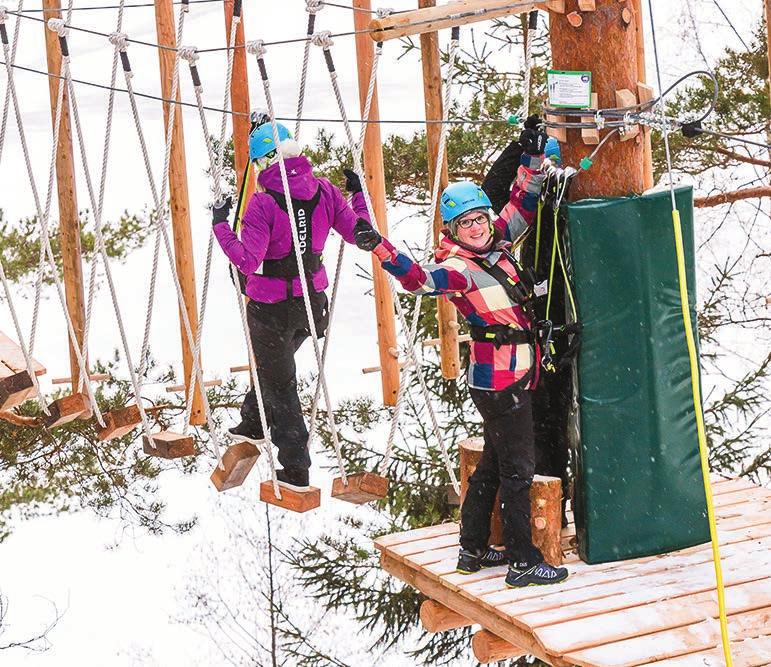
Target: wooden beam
pixel 180 387
pixel 642 78
pixel 69 220
pixel 431 18
pixel 93 377
pixel 446 314
pixel 239 101
pixel 374 173
pixel 489 647
pixel 435 617
pixel 180 204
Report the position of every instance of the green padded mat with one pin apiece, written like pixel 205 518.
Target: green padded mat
pixel 638 488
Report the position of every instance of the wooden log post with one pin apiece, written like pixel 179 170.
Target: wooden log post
pixel 642 79
pixel 432 94
pixel 239 102
pixel 178 192
pixel 375 176
pixel 435 617
pixel 69 222
pixel 607 45
pixel 489 647
pixel 545 505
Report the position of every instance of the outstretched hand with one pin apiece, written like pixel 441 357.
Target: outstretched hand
pixel 220 210
pixel 366 236
pixel 533 141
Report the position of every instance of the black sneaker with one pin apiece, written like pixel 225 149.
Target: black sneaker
pixel 535 575
pixel 245 431
pixel 469 562
pixel 296 479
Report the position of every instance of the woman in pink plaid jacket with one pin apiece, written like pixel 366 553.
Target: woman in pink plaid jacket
pixel 474 268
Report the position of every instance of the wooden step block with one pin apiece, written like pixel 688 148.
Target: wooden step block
pixel 591 136
pixel 15 389
pixel 169 445
pixel 489 647
pixel 119 422
pixel 626 98
pixel 66 409
pixel 435 617
pixel 363 487
pixel 238 460
pixel 295 501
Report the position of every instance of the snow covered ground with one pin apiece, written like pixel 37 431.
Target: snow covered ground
pixel 122 592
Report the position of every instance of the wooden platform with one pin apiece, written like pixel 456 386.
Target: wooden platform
pixel 658 609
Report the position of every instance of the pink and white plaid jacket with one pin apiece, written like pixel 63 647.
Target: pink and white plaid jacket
pixel 479 297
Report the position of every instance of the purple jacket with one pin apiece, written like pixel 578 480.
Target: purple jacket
pixel 266 234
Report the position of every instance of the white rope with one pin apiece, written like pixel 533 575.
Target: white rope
pixel 57 25
pixel 324 41
pixel 529 34
pixel 312 7
pixel 365 117
pixel 435 193
pixel 258 49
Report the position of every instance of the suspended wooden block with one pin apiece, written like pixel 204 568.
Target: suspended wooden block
pixel 66 409
pixel 363 487
pixel 238 461
pixel 169 445
pixel 295 501
pixel 119 422
pixel 15 389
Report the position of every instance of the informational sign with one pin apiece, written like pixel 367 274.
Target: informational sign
pixel 569 90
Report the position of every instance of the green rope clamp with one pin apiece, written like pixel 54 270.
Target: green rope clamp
pixel 513 119
pixel 586 163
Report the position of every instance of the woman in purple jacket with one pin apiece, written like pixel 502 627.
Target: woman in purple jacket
pixel 276 314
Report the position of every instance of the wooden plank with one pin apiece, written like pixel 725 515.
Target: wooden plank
pixel 424 559
pixel 460 605
pixel 752 652
pixel 742 496
pixel 388 541
pixel 399 551
pixel 295 501
pixel 582 575
pixel 672 643
pixel 12 356
pixel 642 590
pixel 654 617
pixel 169 445
pixel 363 487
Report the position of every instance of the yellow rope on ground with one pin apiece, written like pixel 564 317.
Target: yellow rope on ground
pixel 703 453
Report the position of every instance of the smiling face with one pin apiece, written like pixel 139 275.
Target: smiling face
pixel 474 230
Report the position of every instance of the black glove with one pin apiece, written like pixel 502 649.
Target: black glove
pixel 533 141
pixel 533 122
pixel 366 236
pixel 352 181
pixel 220 210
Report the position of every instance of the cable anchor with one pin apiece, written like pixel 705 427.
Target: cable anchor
pixel 322 39
pixel 314 6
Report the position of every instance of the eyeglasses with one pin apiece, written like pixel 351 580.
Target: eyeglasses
pixel 467 223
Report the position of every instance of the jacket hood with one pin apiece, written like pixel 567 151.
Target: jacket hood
pixel 299 170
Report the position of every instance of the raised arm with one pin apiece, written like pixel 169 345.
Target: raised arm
pixel 248 252
pixel 346 214
pixel 451 276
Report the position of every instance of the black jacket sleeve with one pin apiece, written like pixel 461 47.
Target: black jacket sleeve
pixel 497 183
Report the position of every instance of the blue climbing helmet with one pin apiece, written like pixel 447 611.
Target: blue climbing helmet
pixel 461 197
pixel 261 140
pixel 553 151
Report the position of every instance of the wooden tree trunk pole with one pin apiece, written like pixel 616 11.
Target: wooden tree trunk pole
pixel 545 505
pixel 642 78
pixel 69 223
pixel 489 647
pixel 432 93
pixel 606 45
pixel 435 617
pixel 767 5
pixel 239 102
pixel 180 205
pixel 375 174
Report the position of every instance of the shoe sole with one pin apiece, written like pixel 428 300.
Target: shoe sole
pixel 459 571
pixel 259 442
pixel 532 583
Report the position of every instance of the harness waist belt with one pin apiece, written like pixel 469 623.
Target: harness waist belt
pixel 286 267
pixel 501 334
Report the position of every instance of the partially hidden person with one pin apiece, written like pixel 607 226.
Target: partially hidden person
pixel 475 269
pixel 276 314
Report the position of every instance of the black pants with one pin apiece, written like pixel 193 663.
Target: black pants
pixel 508 463
pixel 277 331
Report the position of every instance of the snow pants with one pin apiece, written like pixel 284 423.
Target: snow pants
pixel 277 331
pixel 508 464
